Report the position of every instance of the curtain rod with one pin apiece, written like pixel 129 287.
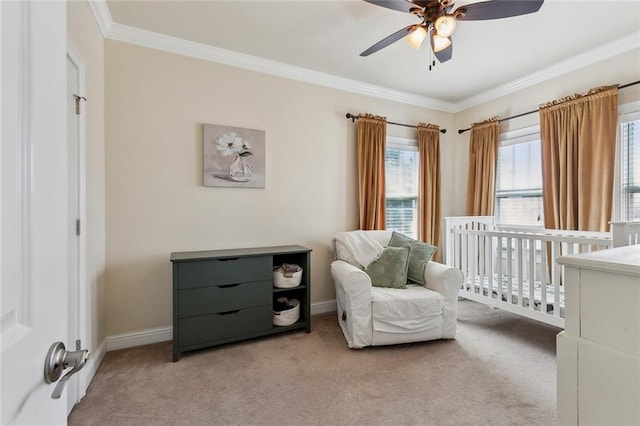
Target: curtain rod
pixel 355 117
pixel 460 131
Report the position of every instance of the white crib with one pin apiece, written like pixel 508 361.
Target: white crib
pixel 515 268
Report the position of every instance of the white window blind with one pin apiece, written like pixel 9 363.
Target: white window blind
pixel 630 169
pixel 401 192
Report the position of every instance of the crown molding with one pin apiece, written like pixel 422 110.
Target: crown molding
pixel 115 31
pixel 102 15
pixel 590 57
pixel 205 52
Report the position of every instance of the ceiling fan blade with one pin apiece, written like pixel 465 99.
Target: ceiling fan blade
pixel 389 40
pixel 497 9
pixel 401 5
pixel 445 54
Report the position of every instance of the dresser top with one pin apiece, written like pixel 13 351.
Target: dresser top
pixel 620 259
pixel 240 252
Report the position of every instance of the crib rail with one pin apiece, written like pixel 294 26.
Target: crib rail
pixel 625 233
pixel 515 268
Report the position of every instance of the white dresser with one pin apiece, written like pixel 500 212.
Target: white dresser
pixel 598 353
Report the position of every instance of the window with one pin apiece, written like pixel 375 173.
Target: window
pixel 519 174
pixel 402 171
pixel 519 179
pixel 630 169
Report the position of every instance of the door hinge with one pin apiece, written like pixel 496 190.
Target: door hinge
pixel 78 99
pixel 78 345
pixel 77 226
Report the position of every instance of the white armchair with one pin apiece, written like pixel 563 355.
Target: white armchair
pixel 371 316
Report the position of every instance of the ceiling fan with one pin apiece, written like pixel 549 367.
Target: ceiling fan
pixel 439 20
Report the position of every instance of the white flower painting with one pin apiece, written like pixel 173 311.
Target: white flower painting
pixel 233 156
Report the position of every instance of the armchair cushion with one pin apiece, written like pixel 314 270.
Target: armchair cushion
pixel 412 310
pixel 390 270
pixel 419 255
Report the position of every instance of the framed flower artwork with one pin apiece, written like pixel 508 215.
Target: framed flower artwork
pixel 233 156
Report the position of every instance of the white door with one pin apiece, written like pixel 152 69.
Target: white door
pixel 34 211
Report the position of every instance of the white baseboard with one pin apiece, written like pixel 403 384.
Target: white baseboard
pixel 162 334
pixel 323 307
pixel 91 367
pixel 139 338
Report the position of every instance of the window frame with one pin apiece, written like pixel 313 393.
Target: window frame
pixel 627 112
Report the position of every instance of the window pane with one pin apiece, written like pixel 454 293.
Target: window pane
pixel 519 167
pixel 519 184
pixel 520 211
pixel 402 191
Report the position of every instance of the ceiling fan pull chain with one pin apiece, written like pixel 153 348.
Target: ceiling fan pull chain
pixel 432 61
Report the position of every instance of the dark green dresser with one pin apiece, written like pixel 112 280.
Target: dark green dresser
pixel 222 296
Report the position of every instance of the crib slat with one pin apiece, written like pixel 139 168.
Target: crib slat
pixel 457 239
pixel 471 260
pixel 481 256
pixel 520 255
pixel 532 275
pixel 490 272
pixel 499 268
pixel 543 276
pixel 509 270
pixel 464 265
pixel 557 273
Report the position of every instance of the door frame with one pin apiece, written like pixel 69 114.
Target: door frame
pixel 78 296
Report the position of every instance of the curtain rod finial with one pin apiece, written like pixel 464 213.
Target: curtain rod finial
pixel 351 116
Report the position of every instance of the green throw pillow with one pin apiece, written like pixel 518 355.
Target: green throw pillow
pixel 390 270
pixel 420 254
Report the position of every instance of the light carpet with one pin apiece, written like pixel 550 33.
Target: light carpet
pixel 500 370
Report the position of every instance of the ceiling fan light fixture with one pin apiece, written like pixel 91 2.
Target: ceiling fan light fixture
pixel 445 25
pixel 416 37
pixel 440 43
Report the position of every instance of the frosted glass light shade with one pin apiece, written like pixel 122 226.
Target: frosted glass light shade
pixel 445 26
pixel 440 43
pixel 416 36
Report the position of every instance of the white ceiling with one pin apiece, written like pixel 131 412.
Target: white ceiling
pixel 328 36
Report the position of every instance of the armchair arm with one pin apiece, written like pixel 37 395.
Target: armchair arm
pixel 447 281
pixel 353 297
pixel 444 279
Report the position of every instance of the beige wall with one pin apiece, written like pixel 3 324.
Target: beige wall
pixel 84 34
pixel 156 104
pixel 618 70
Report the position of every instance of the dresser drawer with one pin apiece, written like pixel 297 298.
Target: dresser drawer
pixel 233 270
pixel 236 323
pixel 223 297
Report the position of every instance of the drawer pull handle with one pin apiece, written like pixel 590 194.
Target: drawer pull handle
pixel 229 312
pixel 229 285
pixel 228 259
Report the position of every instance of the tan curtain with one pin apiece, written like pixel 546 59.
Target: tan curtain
pixel 483 162
pixel 372 141
pixel 429 220
pixel 578 137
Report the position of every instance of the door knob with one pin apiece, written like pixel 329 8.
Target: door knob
pixel 59 359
